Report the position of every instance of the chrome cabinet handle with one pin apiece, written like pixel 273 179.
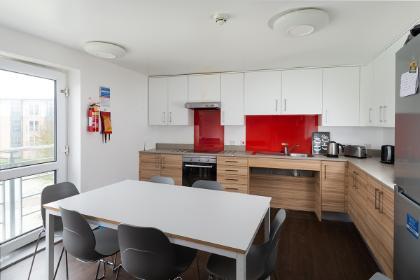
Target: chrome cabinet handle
pixel 380 113
pixel 277 104
pixel 381 202
pixel 325 172
pixel 170 117
pixel 370 117
pixel 376 199
pixel 285 104
pixel 384 113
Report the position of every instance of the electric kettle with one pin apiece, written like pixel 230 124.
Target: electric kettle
pixel 333 149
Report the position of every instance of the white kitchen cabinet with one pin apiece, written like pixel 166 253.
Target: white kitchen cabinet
pixel 167 98
pixel 204 87
pixel 384 85
pixel 177 97
pixel 368 117
pixel 232 98
pixel 158 104
pixel 341 96
pixel 302 92
pixel 263 93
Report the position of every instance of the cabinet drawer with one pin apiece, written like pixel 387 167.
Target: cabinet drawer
pixel 235 188
pixel 232 170
pixel 236 161
pixel 232 179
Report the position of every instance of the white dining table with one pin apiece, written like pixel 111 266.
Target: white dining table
pixel 218 222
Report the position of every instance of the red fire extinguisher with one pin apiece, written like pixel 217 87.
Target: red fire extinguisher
pixel 93 118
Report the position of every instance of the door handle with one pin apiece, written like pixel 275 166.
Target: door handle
pixel 325 172
pixel 384 113
pixel 277 104
pixel 381 202
pixel 198 166
pixel 380 113
pixel 370 117
pixel 376 199
pixel 170 117
pixel 285 104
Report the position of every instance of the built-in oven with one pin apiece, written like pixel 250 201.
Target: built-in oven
pixel 198 167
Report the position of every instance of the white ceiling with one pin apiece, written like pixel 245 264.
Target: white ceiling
pixel 179 36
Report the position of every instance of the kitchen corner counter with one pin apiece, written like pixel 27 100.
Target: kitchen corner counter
pixel 382 172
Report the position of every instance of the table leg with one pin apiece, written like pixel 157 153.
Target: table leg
pixel 50 244
pixel 267 229
pixel 241 267
pixel 267 226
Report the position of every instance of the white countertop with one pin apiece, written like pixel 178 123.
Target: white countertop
pixel 382 172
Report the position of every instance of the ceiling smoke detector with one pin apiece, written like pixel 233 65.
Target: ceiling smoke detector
pixel 221 19
pixel 299 22
pixel 104 49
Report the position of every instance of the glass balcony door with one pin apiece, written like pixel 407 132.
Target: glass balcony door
pixel 33 137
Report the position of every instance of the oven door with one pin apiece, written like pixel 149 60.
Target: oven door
pixel 193 171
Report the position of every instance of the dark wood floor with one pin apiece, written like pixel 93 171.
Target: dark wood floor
pixel 308 249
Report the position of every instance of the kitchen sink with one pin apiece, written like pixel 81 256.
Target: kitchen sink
pixel 300 155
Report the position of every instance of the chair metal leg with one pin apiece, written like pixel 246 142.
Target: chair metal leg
pixel 114 266
pixel 118 272
pixel 198 268
pixel 67 267
pixel 58 264
pixel 36 249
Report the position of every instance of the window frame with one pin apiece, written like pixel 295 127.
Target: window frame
pixel 59 166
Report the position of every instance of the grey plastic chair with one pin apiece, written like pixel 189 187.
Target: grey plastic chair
pixel 261 259
pixel 50 194
pixel 206 184
pixel 146 253
pixel 162 180
pixel 86 244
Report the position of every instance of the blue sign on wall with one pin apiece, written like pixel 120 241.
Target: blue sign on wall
pixel 412 225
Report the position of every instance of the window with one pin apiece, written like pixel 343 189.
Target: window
pixel 32 144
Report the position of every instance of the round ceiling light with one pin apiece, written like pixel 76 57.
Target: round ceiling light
pixel 299 22
pixel 104 49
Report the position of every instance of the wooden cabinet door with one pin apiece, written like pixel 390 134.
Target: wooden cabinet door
pixel 204 87
pixel 158 103
pixel 177 97
pixel 149 166
pixel 341 96
pixel 333 186
pixel 232 98
pixel 263 93
pixel 302 91
pixel 171 166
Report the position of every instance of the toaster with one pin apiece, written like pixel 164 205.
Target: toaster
pixel 355 151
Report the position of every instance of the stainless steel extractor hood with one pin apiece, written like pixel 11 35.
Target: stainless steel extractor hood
pixel 203 105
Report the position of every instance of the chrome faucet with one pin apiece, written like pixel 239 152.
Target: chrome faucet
pixel 286 148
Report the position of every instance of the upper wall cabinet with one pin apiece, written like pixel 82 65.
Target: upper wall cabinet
pixel 341 96
pixel 302 92
pixel 167 98
pixel 204 87
pixel 384 85
pixel 232 98
pixel 263 93
pixel 368 117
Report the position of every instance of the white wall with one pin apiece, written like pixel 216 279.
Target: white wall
pixel 92 163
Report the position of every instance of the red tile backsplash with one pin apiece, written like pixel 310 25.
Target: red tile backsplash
pixel 267 133
pixel 209 135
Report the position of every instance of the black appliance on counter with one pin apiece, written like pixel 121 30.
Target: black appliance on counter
pixel 198 167
pixel 387 154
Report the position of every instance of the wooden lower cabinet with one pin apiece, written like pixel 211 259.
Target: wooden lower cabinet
pixel 154 164
pixel 233 173
pixel 371 207
pixel 333 185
